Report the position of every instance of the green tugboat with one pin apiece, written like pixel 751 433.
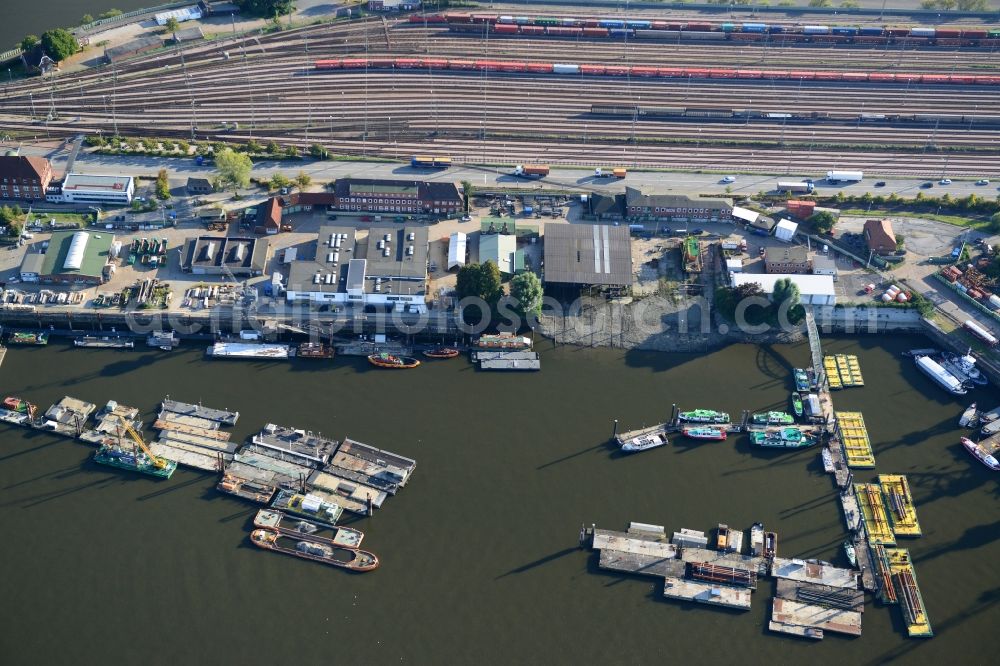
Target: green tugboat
pixel 773 418
pixel 782 438
pixel 29 338
pixel 135 461
pixel 797 405
pixel 801 380
pixel 704 416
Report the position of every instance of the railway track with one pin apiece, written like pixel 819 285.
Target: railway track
pixel 268 86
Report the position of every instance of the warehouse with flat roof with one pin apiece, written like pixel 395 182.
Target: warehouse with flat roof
pixel 87 189
pixel 72 257
pixel 225 255
pixel 588 255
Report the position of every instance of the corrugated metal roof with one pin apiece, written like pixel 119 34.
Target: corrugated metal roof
pixel 587 254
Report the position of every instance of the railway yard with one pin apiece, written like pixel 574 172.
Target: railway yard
pixel 391 88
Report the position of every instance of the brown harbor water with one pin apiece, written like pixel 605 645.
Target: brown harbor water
pixel 479 552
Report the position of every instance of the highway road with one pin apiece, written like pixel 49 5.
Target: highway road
pixel 579 179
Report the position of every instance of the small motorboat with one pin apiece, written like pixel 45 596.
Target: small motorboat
pixel 647 439
pixel 441 352
pixel 384 360
pixel 969 417
pixel 852 555
pixel 707 433
pixel 773 418
pixel 797 404
pixel 801 380
pixel 977 452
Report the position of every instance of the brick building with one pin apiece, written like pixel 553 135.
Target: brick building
pixel 24 177
pixel 878 234
pixel 641 206
pixel 398 196
pixel 793 259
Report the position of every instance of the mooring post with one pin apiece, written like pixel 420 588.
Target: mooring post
pixel 614 433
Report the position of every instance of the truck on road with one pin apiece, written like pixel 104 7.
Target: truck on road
pixel 617 172
pixel 430 162
pixel 538 170
pixel 845 176
pixel 795 186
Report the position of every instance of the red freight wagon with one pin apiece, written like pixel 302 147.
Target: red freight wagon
pixel 962 78
pixel 504 29
pixel 947 32
pixel 749 74
pixel 774 74
pixel 487 65
pixel 878 76
pixel 595 32
pixel 592 69
pixel 970 34
pixel 539 67
pixel 432 63
pixel 381 63
pixel 328 64
pixel 698 73
pixel 681 26
pixel 827 76
pixel 484 18
pixel 532 30
pixel 696 27
pixel 663 25
pixel 563 32
pixel 671 72
pixel 643 71
pixel 748 36
pixel 803 75
pixel 934 78
pixel 457 18
pixel 855 76
pixel 953 42
pixel 461 64
pixel 722 73
pixel 616 70
pixel 407 63
pixel 897 32
pixel 509 66
pixel 869 39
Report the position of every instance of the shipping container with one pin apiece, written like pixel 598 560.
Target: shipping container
pixel 562 68
pixel 815 30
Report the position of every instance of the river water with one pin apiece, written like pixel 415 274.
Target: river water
pixel 24 18
pixel 479 551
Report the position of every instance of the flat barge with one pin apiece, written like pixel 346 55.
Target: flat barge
pixel 68 417
pixel 308 506
pixel 896 490
pixel 503 341
pixel 104 342
pixel 876 519
pixel 853 436
pixel 250 351
pixel 221 416
pixel 342 537
pixel 135 461
pixel 317 551
pixel 315 350
pixel 904 579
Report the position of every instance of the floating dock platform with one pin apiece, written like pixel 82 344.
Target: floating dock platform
pixel 641 550
pixel 254 351
pixel 372 466
pixel 104 342
pixel 313 449
pixel 354 497
pixel 712 594
pixel 854 438
pixel 896 490
pixel 814 571
pixel 507 360
pixel 109 430
pixel 904 579
pixel 68 417
pixel 812 620
pixel 221 416
pixel 843 371
pixel 15 418
pixel 876 519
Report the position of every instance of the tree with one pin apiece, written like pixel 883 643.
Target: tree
pixel 303 179
pixel 291 151
pixel 172 25
pixel 279 180
pixel 59 44
pixel 29 42
pixel 111 13
pixel 319 152
pixel 273 147
pixel 995 223
pixel 265 7
pixel 162 185
pixel 526 288
pixel 87 18
pixel 849 4
pixel 786 291
pixel 823 221
pixel 467 190
pixel 479 281
pixel 233 168
pixel 820 3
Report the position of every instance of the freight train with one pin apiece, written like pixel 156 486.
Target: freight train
pixel 810 117
pixel 710 31
pixel 515 66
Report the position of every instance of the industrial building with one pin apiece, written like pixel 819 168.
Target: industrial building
pixel 457 250
pixel 581 255
pixel 398 196
pixel 82 257
pixel 793 259
pixel 225 255
pixel 643 206
pixel 823 265
pixel 502 250
pixel 24 177
pixel 387 271
pixel 133 48
pixel 89 189
pixel 813 289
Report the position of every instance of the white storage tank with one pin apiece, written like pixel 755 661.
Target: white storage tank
pixel 994 302
pixel 886 297
pixel 560 68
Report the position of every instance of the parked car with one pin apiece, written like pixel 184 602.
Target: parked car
pixel 945 181
pixel 925 186
pixel 983 181
pixel 880 183
pixel 729 179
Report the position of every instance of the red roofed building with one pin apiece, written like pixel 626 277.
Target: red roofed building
pixel 269 216
pixel 878 234
pixel 24 177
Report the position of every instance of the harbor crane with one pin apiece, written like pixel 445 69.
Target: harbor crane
pixel 160 463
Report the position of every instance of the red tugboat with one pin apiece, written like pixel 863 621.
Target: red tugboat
pixel 441 352
pixel 384 360
pixel 20 406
